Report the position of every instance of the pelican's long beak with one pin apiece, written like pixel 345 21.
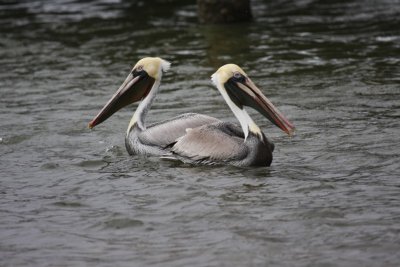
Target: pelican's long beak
pixel 245 92
pixel 135 87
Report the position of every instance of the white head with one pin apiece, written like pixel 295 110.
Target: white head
pixel 144 79
pixel 238 91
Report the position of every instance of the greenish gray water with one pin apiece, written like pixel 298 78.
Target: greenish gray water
pixel 73 197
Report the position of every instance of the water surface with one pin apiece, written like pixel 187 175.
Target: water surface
pixel 71 196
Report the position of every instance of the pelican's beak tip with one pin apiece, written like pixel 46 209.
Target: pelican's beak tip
pixel 291 132
pixel 90 125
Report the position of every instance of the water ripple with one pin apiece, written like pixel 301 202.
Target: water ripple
pixel 72 196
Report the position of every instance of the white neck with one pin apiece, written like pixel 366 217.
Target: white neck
pixel 245 121
pixel 144 106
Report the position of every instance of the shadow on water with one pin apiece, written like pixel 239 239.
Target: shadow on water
pixel 224 46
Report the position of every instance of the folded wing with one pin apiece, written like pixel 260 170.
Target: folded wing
pixel 167 132
pixel 213 143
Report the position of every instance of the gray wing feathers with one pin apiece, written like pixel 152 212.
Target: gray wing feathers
pixel 214 142
pixel 166 132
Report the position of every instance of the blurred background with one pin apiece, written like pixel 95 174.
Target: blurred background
pixel 70 196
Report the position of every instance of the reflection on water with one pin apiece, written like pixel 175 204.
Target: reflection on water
pixel 71 196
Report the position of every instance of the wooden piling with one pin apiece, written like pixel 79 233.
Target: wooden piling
pixel 224 11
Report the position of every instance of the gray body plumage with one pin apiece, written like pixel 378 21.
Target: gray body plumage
pixel 154 139
pixel 223 143
pixel 200 139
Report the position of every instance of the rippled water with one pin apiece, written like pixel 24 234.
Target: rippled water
pixel 73 197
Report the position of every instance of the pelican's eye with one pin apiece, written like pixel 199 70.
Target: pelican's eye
pixel 138 71
pixel 238 77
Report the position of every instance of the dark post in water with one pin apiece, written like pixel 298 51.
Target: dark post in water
pixel 224 11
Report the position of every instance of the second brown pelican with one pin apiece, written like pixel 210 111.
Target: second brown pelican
pixel 142 84
pixel 227 143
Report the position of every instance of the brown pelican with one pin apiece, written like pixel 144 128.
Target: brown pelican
pixel 227 143
pixel 143 83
